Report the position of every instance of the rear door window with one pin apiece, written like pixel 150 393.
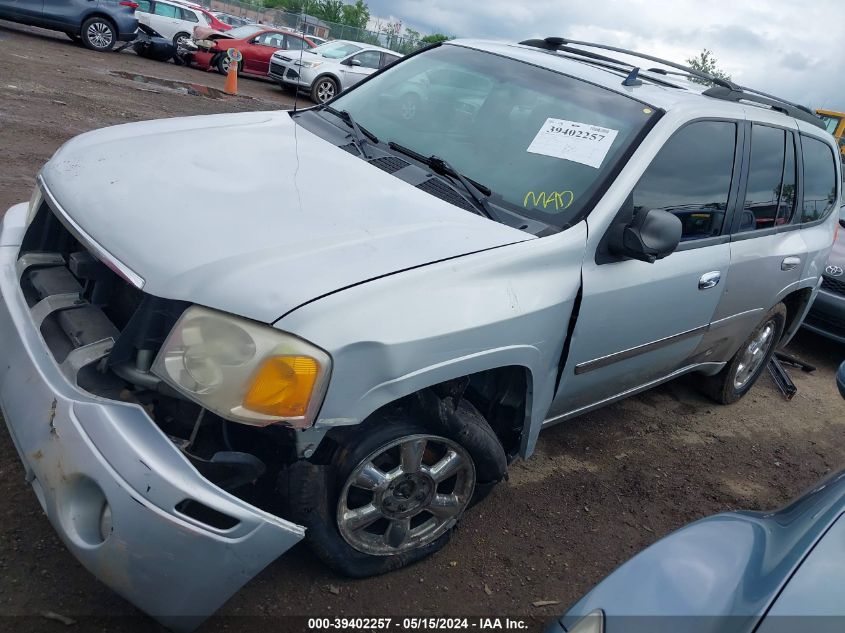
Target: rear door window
pixel 294 43
pixel 388 59
pixel 819 179
pixel 765 177
pixel 691 177
pixel 167 10
pixel 189 16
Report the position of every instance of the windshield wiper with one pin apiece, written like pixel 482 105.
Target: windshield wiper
pixel 478 192
pixel 360 136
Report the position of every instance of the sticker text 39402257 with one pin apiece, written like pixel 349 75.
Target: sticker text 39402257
pixel 570 140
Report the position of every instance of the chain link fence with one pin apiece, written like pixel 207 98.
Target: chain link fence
pixel 310 25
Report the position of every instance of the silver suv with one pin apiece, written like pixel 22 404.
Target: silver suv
pixel 350 332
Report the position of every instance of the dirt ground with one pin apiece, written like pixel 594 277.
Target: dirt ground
pixel 599 489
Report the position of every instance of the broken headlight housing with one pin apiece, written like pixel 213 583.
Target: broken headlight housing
pixel 34 203
pixel 242 370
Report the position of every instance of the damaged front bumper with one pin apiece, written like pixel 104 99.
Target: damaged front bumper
pixel 112 484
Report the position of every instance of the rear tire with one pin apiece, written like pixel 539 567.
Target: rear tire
pixel 743 370
pixel 179 39
pixel 99 34
pixel 322 497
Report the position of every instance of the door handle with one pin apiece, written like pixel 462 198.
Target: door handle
pixel 709 280
pixel 789 263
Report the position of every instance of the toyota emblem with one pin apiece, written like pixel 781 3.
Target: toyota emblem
pixel 834 271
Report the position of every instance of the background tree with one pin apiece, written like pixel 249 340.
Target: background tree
pixel 705 62
pixel 434 38
pixel 357 15
pixel 329 11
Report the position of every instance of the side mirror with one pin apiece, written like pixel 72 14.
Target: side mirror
pixel 354 62
pixel 840 379
pixel 650 236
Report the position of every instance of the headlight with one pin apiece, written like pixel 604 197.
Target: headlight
pixel 593 622
pixel 34 204
pixel 307 64
pixel 244 371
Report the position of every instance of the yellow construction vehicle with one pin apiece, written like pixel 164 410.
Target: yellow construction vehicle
pixel 835 124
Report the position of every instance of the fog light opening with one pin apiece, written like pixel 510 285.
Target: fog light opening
pixel 106 525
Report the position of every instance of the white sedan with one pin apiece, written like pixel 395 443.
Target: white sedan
pixel 327 70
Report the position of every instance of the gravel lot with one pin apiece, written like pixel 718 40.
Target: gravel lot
pixel 599 489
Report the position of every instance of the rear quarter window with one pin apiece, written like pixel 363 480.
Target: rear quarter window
pixel 819 179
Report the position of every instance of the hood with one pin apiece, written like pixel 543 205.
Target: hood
pixel 718 575
pixel 252 214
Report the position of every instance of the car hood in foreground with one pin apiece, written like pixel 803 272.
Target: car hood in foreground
pixel 252 214
pixel 718 575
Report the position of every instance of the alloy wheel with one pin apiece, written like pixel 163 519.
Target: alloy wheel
pixel 100 35
pixel 325 91
pixel 754 355
pixel 405 495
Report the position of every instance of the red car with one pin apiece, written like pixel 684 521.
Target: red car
pixel 213 21
pixel 256 42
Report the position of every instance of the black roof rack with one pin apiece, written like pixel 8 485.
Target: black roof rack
pixel 722 88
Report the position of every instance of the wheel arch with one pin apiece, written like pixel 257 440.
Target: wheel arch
pixel 96 13
pixel 331 76
pixel 502 394
pixel 798 303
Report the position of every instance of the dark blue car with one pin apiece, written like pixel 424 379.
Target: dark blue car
pixel 738 572
pixel 99 24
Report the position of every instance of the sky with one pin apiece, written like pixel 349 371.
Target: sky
pixel 790 48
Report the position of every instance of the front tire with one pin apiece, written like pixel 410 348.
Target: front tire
pixel 223 63
pixel 324 89
pixel 98 34
pixel 743 370
pixel 394 491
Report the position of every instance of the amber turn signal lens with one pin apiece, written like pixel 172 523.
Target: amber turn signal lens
pixel 282 386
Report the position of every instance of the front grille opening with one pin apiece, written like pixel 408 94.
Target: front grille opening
pixel 833 285
pixel 826 322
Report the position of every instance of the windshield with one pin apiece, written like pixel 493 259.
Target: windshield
pixel 245 31
pixel 336 50
pixel 542 142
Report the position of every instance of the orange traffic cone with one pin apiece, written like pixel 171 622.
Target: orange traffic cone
pixel 231 87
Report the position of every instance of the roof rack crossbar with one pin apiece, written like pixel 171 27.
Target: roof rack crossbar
pixel 722 88
pixel 557 43
pixel 615 66
pixel 790 109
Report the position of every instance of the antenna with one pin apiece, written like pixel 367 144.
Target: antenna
pixel 301 51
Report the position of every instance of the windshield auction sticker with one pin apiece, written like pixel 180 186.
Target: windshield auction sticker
pixel 579 142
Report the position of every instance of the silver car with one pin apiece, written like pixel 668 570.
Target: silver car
pixel 274 353
pixel 330 68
